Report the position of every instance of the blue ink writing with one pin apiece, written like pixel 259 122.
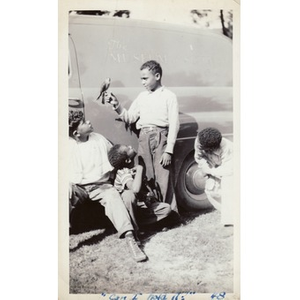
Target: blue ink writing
pixel 157 297
pixel 218 296
pixel 115 297
pixel 180 296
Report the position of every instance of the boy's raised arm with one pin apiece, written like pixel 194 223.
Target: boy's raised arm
pixel 136 183
pixel 112 100
pixel 128 116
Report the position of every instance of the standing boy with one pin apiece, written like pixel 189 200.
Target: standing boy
pixel 156 113
pixel 141 202
pixel 90 173
pixel 214 155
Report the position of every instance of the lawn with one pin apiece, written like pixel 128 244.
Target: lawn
pixel 194 257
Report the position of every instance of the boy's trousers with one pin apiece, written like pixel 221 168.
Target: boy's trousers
pixel 108 197
pixel 143 214
pixel 152 145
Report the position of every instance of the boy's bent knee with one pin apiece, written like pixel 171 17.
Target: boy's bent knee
pixel 162 208
pixel 110 197
pixel 128 197
pixel 167 208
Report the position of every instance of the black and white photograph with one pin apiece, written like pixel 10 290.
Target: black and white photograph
pixel 149 150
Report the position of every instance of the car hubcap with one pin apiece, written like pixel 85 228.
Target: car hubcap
pixel 195 182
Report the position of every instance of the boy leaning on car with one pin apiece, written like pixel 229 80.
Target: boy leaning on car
pixel 156 113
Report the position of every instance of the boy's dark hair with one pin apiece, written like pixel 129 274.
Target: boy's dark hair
pixel 75 117
pixel 210 139
pixel 153 66
pixel 116 157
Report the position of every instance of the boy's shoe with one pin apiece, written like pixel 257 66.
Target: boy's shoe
pixel 136 252
pixel 138 241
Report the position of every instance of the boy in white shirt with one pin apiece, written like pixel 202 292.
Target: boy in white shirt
pixel 90 178
pixel 156 113
pixel 214 155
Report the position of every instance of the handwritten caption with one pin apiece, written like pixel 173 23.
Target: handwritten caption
pixel 178 296
pixel 218 296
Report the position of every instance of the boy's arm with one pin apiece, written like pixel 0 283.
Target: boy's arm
pixel 226 168
pixel 173 116
pixel 223 170
pixel 199 156
pixel 128 116
pixel 136 184
pixel 74 164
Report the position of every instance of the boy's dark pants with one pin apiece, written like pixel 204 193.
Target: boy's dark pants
pixel 152 145
pixel 85 214
pixel 104 195
pixel 142 214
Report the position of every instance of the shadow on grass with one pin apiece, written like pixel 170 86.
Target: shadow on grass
pixel 173 221
pixel 188 216
pixel 94 239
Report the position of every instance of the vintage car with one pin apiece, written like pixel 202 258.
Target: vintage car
pixel 197 66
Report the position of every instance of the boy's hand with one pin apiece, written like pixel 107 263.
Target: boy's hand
pixel 111 99
pixel 165 159
pixel 205 168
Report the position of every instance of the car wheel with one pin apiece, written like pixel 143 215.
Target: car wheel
pixel 190 186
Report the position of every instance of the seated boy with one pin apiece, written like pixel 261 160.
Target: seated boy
pixel 89 176
pixel 141 202
pixel 214 155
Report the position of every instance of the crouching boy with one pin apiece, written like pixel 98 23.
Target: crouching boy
pixel 140 201
pixel 214 155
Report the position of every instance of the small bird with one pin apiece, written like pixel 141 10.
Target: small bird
pixel 104 87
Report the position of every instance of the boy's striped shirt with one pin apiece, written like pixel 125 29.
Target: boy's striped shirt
pixel 123 176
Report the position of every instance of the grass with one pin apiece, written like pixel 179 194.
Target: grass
pixel 194 257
